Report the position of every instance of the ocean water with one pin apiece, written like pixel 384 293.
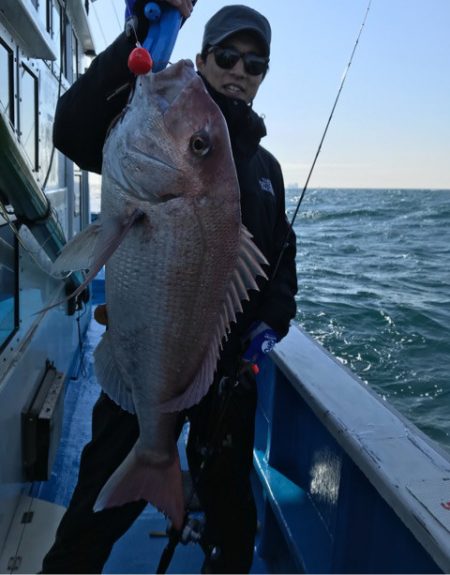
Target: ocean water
pixel 374 289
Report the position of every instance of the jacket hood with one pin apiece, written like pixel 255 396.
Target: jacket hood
pixel 245 127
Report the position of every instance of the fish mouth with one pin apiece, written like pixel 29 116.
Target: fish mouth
pixel 148 157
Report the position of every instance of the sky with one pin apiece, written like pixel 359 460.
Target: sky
pixel 391 126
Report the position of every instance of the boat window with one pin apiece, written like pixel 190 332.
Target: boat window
pixel 55 24
pixel 8 284
pixel 28 114
pixel 76 191
pixel 55 175
pixel 6 81
pixel 75 49
pixel 66 61
pixel 59 29
pixel 42 6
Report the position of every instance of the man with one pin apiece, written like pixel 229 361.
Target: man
pixel 233 63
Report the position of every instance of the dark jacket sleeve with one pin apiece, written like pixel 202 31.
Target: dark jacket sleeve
pixel 278 305
pixel 86 110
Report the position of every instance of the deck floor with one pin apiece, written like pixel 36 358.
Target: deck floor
pixel 139 550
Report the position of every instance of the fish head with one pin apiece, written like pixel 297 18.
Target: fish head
pixel 171 141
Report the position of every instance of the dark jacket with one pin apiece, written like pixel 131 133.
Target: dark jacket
pixel 82 118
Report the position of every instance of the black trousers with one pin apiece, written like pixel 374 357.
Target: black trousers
pixel 222 427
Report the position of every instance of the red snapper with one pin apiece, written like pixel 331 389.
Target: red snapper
pixel 178 264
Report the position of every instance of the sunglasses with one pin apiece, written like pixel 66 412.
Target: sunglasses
pixel 227 58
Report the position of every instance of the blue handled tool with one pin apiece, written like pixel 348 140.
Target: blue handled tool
pixel 164 24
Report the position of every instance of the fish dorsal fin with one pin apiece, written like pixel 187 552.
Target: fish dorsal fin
pixel 249 262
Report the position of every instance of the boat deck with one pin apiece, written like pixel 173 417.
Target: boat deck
pixel 140 549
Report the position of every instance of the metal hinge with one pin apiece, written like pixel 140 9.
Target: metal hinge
pixel 14 563
pixel 27 517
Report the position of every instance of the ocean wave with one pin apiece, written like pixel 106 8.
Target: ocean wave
pixel 374 289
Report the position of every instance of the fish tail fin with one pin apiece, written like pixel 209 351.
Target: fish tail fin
pixel 136 479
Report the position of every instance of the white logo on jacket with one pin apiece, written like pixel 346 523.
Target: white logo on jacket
pixel 266 185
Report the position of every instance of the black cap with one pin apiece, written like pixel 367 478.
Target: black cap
pixel 237 18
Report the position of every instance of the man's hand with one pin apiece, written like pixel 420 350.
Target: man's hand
pixel 184 6
pixel 136 7
pixel 261 339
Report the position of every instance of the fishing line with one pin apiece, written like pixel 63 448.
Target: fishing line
pixel 319 148
pixel 99 25
pixel 131 22
pixel 82 369
pixel 119 23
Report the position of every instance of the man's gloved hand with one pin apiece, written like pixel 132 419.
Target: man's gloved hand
pixel 262 339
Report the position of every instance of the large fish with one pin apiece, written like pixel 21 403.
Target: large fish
pixel 179 262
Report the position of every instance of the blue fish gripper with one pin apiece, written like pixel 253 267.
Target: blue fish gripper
pixel 164 25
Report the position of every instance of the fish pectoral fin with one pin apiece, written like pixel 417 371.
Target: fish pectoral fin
pixel 249 266
pixel 91 248
pixel 78 253
pixel 108 375
pixel 136 480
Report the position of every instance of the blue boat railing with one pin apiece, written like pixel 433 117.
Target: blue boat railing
pixel 345 484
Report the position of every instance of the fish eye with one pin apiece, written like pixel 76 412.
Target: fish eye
pixel 200 143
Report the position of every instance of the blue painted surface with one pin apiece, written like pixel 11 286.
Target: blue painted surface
pixel 320 514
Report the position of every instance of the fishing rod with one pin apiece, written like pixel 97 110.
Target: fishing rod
pixel 192 528
pixel 319 148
